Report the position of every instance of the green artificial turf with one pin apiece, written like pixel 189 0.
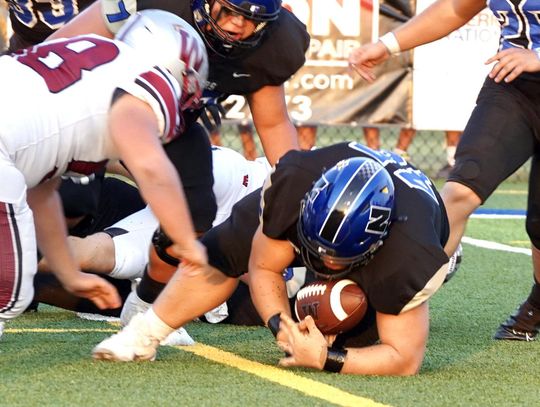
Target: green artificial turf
pixel 463 366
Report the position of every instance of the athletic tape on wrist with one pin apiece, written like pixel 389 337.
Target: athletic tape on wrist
pixel 391 43
pixel 335 359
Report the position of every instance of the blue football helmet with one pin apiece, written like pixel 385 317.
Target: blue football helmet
pixel 345 217
pixel 261 12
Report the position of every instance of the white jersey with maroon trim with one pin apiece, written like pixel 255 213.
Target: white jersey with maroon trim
pixel 57 97
pixel 234 178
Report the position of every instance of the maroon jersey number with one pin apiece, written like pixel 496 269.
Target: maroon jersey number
pixel 61 63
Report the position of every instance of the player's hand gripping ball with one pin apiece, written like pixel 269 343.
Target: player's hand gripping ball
pixel 336 306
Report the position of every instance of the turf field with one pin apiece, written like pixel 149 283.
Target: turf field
pixel 45 356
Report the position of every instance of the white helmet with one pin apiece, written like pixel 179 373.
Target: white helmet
pixel 172 43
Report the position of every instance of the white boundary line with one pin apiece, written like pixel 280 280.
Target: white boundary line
pixel 486 244
pixel 495 216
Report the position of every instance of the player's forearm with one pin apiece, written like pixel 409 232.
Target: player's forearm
pixel 134 131
pixel 437 21
pixel 51 231
pixel 403 341
pixel 161 188
pixel 380 360
pixel 271 119
pixel 89 21
pixel 278 140
pixel 268 293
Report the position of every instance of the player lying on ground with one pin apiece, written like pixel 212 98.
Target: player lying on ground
pixel 387 201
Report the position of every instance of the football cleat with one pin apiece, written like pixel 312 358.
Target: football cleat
pixel 523 325
pixel 133 343
pixel 1 328
pixel 454 263
pixel 134 305
pixel 180 337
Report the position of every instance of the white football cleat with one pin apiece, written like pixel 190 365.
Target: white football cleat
pixel 180 337
pixel 134 342
pixel 1 328
pixel 132 306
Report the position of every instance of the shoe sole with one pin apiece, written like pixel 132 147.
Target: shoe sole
pixel 107 355
pixel 505 335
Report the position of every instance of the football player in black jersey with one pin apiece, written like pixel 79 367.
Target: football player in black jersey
pixel 392 247
pixel 247 53
pixel 373 218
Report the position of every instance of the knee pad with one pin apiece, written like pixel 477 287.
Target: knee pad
pixel 161 242
pixel 532 225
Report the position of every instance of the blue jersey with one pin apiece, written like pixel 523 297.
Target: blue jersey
pixel 519 20
pixel 35 20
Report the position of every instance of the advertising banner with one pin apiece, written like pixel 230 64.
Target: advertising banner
pixel 448 73
pixel 325 90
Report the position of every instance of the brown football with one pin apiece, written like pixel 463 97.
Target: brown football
pixel 336 306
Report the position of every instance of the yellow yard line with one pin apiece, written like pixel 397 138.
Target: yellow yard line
pixel 523 243
pixel 280 376
pixel 283 377
pixel 56 331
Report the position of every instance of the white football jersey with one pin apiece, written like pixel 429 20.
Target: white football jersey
pixel 234 178
pixel 56 98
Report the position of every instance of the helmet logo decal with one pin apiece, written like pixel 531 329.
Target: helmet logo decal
pixel 317 188
pixel 379 220
pixel 189 49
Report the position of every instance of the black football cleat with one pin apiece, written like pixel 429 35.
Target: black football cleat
pixel 523 325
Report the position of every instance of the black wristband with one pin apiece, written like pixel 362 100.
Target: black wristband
pixel 335 358
pixel 273 323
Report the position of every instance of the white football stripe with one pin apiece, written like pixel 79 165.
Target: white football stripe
pixel 311 290
pixel 335 299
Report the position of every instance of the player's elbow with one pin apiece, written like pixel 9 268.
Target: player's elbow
pixel 410 369
pixel 404 361
pixel 410 365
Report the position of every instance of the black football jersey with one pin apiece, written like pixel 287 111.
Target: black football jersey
pixel 278 56
pixel 34 20
pixel 398 277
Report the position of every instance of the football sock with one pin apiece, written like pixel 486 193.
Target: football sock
pixel 534 296
pixel 158 328
pixel 149 289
